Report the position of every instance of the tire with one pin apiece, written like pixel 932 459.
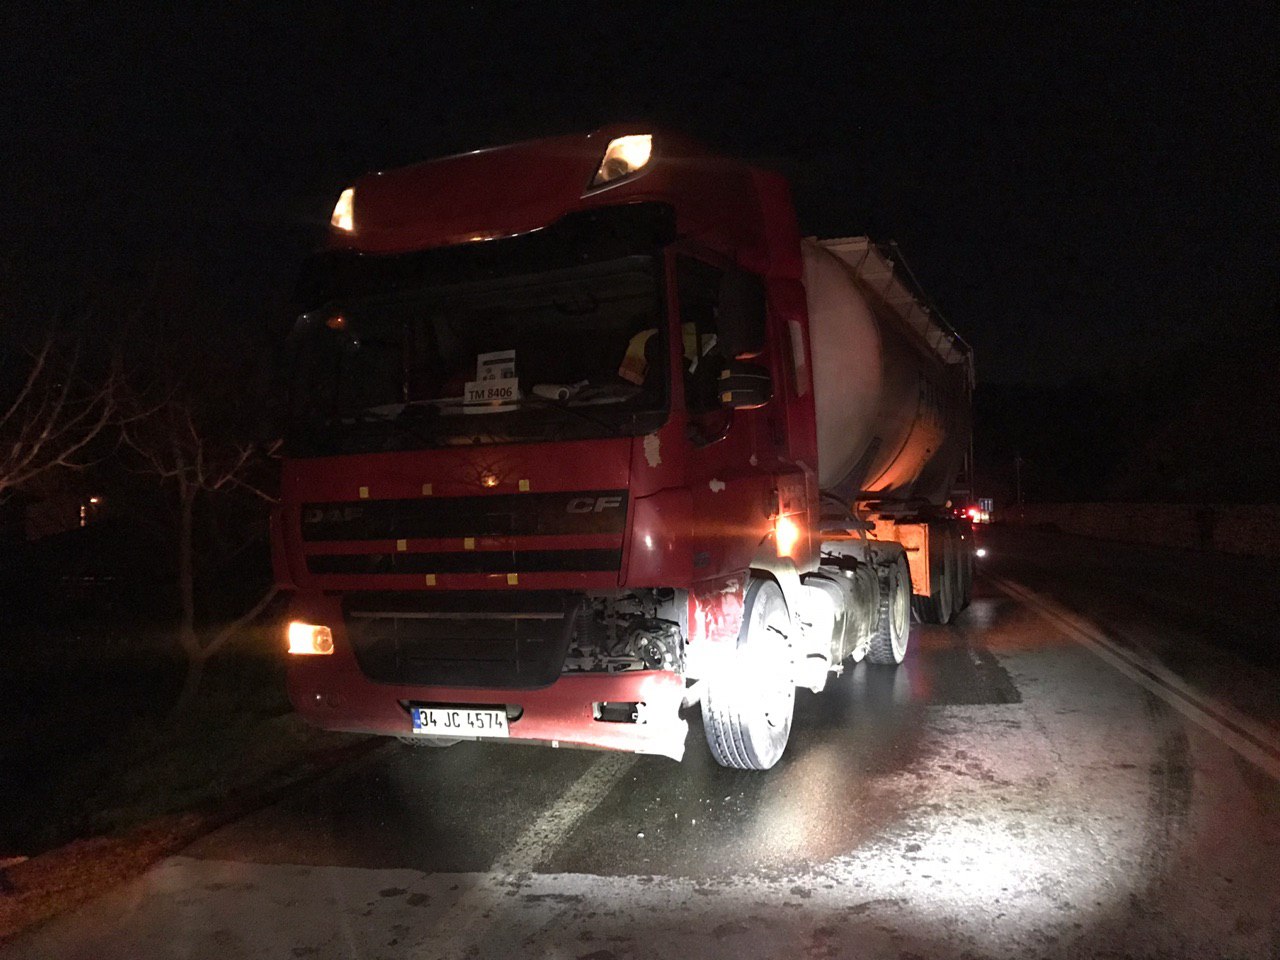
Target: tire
pixel 964 571
pixel 747 710
pixel 944 603
pixel 893 619
pixel 925 609
pixel 950 605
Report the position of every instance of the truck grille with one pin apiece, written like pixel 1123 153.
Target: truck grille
pixel 487 561
pixel 471 639
pixel 594 513
pixel 498 515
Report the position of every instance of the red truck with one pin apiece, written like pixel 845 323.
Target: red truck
pixel 584 434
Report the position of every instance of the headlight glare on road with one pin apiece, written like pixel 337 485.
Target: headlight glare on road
pixel 309 638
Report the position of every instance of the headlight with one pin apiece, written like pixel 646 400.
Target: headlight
pixel 623 157
pixel 344 211
pixel 310 638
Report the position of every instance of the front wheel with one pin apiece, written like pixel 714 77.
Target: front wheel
pixel 747 708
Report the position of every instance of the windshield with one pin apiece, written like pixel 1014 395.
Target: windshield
pixel 567 353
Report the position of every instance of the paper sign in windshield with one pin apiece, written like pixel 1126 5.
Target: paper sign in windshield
pixel 498 365
pixel 489 396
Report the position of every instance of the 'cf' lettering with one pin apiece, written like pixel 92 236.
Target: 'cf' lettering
pixel 593 504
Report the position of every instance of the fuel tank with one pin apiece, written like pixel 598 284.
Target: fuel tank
pixel 892 384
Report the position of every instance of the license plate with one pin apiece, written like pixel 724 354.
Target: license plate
pixel 459 722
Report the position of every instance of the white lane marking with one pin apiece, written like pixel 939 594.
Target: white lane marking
pixel 1248 738
pixel 466 921
pixel 553 824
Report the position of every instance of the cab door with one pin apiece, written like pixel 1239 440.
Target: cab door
pixel 733 455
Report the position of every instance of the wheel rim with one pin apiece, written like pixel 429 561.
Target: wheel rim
pixel 769 635
pixel 900 610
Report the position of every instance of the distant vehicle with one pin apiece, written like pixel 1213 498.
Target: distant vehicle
pixel 585 433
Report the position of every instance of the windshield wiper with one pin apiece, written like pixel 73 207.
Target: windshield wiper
pixel 407 425
pixel 614 429
pixel 410 416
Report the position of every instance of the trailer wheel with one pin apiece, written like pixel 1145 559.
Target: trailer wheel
pixel 950 599
pixel 944 602
pixel 746 711
pixel 893 620
pixel 964 572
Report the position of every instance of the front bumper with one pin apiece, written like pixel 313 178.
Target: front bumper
pixel 332 693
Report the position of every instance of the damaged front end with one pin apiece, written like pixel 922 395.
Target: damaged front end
pixel 596 670
pixel 639 630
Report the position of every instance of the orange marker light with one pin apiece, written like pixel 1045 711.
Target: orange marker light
pixel 309 638
pixel 786 533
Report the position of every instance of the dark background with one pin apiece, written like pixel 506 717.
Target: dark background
pixel 1087 192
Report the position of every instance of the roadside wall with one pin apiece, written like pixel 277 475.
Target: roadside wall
pixel 1206 526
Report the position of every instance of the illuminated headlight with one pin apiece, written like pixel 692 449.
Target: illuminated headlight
pixel 980 552
pixel 344 211
pixel 309 638
pixel 623 157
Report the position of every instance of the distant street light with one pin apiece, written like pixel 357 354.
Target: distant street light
pixel 86 511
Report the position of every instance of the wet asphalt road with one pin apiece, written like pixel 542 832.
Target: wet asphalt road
pixel 1088 769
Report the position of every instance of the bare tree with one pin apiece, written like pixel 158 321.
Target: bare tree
pixel 53 411
pixel 203 463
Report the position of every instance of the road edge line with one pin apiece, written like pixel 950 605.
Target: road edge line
pixel 1254 745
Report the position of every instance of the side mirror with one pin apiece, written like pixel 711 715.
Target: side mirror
pixel 744 386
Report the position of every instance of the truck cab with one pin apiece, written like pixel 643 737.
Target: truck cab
pixel 552 470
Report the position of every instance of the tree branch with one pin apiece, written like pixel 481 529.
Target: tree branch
pixel 221 638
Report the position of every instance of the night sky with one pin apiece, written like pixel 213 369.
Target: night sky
pixel 1078 189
